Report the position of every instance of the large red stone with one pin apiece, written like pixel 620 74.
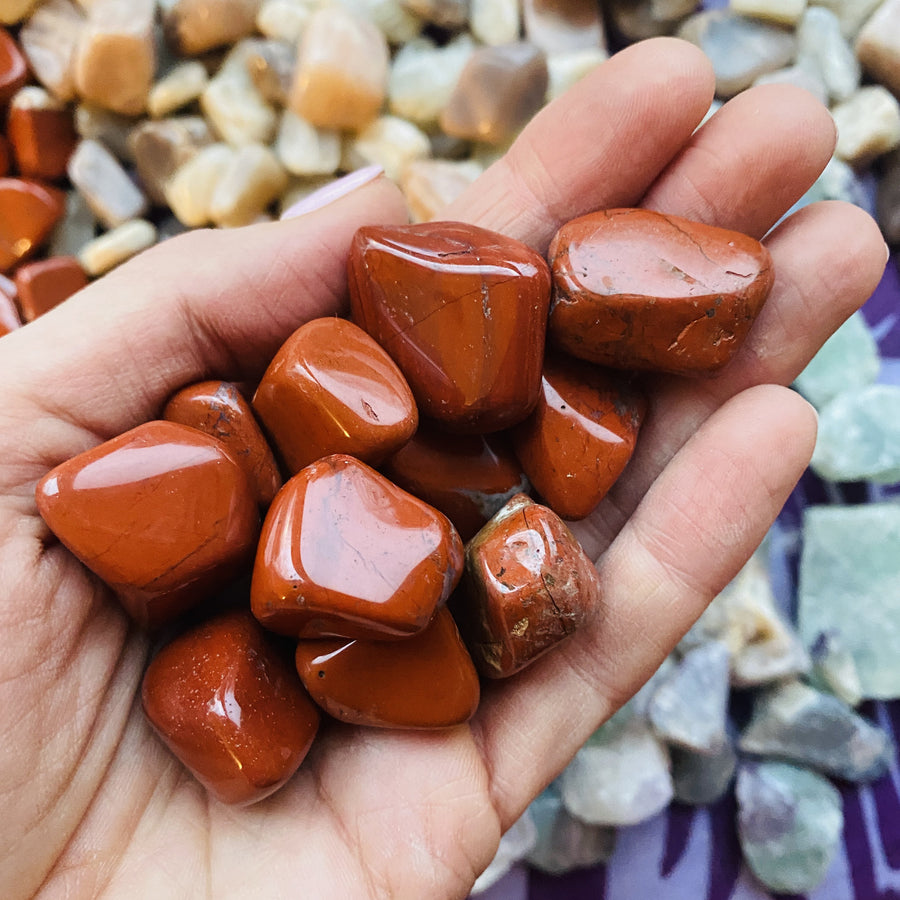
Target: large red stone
pixel 44 284
pixel 28 212
pixel 462 311
pixel 332 389
pixel 346 553
pixel 163 514
pixel 231 708
pixel 527 586
pixel 217 408
pixel 580 436
pixel 42 140
pixel 426 681
pixel 635 289
pixel 468 478
pixel 13 68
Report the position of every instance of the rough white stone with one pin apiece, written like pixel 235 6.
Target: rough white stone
pixel 111 194
pixel 570 66
pixel 252 179
pixel 190 190
pixel 495 22
pixel 868 125
pixel 390 142
pixel 822 46
pixel 306 150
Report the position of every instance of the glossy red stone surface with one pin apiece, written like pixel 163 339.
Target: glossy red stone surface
pixel 13 68
pixel 42 140
pixel 217 408
pixel 527 586
pixel 332 389
pixel 227 703
pixel 580 436
pixel 45 284
pixel 28 212
pixel 636 289
pixel 426 681
pixel 162 514
pixel 345 553
pixel 462 311
pixel 5 156
pixel 468 477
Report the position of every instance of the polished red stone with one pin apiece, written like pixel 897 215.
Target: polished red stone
pixel 218 409
pixel 468 477
pixel 43 285
pixel 580 436
pixel 163 514
pixel 332 389
pixel 5 156
pixel 463 312
pixel 527 586
pixel 345 553
pixel 231 708
pixel 13 68
pixel 42 140
pixel 636 289
pixel 426 681
pixel 28 212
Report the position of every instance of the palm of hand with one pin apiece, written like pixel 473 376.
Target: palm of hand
pixel 93 805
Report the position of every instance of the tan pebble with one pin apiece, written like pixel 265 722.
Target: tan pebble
pixel 234 105
pixel 868 125
pixel 569 67
pixel 284 20
pixel 252 179
pixel 424 75
pixel 107 251
pixel 12 11
pixel 304 149
pixel 430 185
pixel 781 12
pixel 878 45
pixel 190 190
pixel 559 25
pixel 182 85
pixel 49 40
pixel 443 13
pixel 271 68
pixel 499 90
pixel 390 142
pixel 115 60
pixel 342 71
pixel 495 22
pixel 397 23
pixel 161 147
pixel 104 184
pixel 195 26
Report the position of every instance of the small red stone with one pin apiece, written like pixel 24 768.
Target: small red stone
pixel 527 586
pixel 217 408
pixel 468 478
pixel 462 311
pixel 580 436
pixel 13 68
pixel 426 681
pixel 345 553
pixel 231 708
pixel 163 514
pixel 28 212
pixel 332 389
pixel 636 289
pixel 45 284
pixel 42 140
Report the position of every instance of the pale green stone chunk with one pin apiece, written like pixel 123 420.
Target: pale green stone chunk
pixel 850 584
pixel 834 669
pixel 702 778
pixel 848 359
pixel 789 825
pixel 859 436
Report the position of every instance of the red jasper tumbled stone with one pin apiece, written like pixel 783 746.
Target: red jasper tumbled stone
pixel 231 708
pixel 462 311
pixel 217 408
pixel 44 284
pixel 580 436
pixel 332 389
pixel 13 68
pixel 527 586
pixel 468 477
pixel 163 514
pixel 346 553
pixel 42 140
pixel 636 289
pixel 28 212
pixel 426 681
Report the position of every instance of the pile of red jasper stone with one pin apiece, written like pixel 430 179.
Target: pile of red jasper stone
pixel 360 558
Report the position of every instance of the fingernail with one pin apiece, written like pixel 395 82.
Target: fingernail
pixel 333 191
pixel 887 253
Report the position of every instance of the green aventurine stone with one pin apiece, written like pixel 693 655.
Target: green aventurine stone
pixel 789 824
pixel 850 586
pixel 848 359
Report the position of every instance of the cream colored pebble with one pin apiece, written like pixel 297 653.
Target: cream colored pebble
pixel 390 142
pixel 868 125
pixel 495 22
pixel 12 11
pixel 306 150
pixel 111 194
pixel 182 85
pixel 107 251
pixel 49 40
pixel 191 188
pixel 568 67
pixel 251 180
pixel 782 12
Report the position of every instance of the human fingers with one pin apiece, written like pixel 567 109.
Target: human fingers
pixel 697 525
pixel 599 146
